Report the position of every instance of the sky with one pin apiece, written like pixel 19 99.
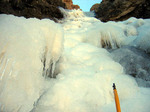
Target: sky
pixel 85 5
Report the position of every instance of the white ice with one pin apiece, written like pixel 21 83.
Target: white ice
pixel 24 45
pixel 85 71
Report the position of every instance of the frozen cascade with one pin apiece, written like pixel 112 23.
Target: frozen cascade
pixel 85 69
pixel 29 48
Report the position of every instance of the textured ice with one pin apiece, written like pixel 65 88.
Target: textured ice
pixel 30 50
pixel 87 74
pixel 28 47
pixel 135 63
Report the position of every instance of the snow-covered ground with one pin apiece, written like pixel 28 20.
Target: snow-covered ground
pixel 84 54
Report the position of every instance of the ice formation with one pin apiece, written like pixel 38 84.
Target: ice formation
pixel 135 62
pixel 28 47
pixel 32 49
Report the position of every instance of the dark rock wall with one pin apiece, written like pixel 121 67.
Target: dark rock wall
pixel 32 8
pixel 117 10
pixel 35 8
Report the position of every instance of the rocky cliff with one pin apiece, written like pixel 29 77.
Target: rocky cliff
pixel 35 8
pixel 70 5
pixel 94 7
pixel 116 10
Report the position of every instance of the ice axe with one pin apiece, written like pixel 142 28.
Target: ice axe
pixel 118 109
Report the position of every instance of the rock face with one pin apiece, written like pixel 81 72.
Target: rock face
pixel 69 4
pixel 35 8
pixel 116 10
pixel 94 7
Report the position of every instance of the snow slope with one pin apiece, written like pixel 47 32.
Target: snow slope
pixel 32 49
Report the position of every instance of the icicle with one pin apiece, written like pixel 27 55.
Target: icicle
pixel 53 69
pixel 1 62
pixel 4 69
pixel 10 73
pixel 110 41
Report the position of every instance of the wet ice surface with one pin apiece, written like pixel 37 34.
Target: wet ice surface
pixel 135 62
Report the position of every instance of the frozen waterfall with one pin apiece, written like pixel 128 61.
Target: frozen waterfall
pixel 29 48
pixel 70 66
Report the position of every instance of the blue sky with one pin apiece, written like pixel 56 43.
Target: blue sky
pixel 85 5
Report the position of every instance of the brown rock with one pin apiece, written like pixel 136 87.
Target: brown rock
pixel 36 8
pixel 32 8
pixel 75 6
pixel 94 7
pixel 116 10
pixel 70 5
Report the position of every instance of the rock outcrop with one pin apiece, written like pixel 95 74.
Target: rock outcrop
pixel 94 7
pixel 35 8
pixel 69 4
pixel 116 10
